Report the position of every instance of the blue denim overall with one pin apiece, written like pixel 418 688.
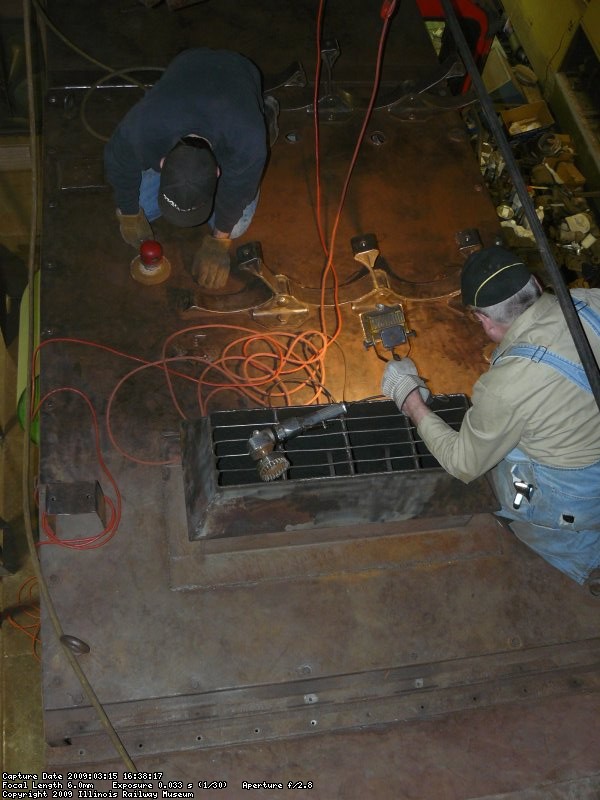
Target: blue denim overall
pixel 561 519
pixel 149 202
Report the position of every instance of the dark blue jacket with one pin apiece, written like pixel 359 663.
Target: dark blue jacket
pixel 216 94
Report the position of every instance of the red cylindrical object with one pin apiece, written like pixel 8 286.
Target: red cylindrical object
pixel 151 252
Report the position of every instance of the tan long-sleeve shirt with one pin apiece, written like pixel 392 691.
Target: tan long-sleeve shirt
pixel 525 404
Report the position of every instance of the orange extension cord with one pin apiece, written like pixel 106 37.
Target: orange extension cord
pixel 28 605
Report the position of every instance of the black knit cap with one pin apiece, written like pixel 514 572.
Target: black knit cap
pixel 492 275
pixel 188 181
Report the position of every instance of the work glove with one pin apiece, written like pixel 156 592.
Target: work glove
pixel 135 228
pixel 211 263
pixel 399 379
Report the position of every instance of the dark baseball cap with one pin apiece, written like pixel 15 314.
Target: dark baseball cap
pixel 492 275
pixel 188 181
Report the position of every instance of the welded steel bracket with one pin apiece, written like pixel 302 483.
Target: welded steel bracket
pixel 418 103
pixel 335 104
pixel 277 301
pixel 468 241
pixel 366 251
pixel 292 75
pixel 287 305
pixel 422 107
pixel 77 497
pixel 409 101
pixel 282 308
pixel 380 295
pixel 451 67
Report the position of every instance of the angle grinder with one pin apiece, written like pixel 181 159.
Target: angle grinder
pixel 262 444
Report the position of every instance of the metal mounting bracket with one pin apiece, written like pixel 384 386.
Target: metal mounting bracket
pixel 77 497
pixel 282 308
pixel 418 103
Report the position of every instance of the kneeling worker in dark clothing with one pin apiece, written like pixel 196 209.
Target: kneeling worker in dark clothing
pixel 534 423
pixel 193 150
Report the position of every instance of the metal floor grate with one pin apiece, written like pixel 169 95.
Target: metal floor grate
pixel 372 438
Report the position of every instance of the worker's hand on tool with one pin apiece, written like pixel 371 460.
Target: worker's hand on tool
pixel 135 228
pixel 211 262
pixel 399 379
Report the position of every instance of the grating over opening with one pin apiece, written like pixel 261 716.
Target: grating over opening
pixel 373 437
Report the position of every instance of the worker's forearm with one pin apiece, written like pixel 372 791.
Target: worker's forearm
pixel 414 407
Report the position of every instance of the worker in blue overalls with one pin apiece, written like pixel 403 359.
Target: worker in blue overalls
pixel 534 423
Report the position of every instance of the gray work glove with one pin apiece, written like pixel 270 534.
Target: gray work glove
pixel 135 228
pixel 399 379
pixel 211 263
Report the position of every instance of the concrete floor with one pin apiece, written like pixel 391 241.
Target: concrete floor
pixel 20 706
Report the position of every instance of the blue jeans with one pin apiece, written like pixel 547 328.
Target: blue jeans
pixel 149 202
pixel 561 522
